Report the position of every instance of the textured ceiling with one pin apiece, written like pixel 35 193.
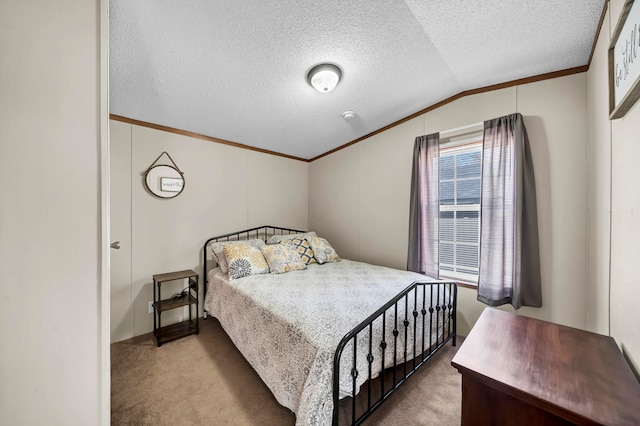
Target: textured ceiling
pixel 236 69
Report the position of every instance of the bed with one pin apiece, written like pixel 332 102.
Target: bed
pixel 334 339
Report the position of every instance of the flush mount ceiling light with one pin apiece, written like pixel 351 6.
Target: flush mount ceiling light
pixel 324 77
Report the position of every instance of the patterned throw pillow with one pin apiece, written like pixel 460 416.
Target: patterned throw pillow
pixel 218 251
pixel 303 248
pixel 277 239
pixel 244 260
pixel 323 251
pixel 282 258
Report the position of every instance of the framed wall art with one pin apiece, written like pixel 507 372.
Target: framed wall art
pixel 624 61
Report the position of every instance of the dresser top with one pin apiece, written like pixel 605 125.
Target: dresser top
pixel 578 375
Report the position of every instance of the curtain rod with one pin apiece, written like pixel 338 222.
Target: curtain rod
pixel 457 129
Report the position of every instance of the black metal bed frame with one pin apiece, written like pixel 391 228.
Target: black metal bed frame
pixel 422 315
pixel 407 318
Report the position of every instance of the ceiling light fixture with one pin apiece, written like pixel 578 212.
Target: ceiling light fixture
pixel 324 77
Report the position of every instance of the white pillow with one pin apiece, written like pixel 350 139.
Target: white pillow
pixel 277 239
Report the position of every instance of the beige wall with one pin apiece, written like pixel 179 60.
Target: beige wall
pixel 625 221
pixel 226 189
pixel 359 196
pixel 50 111
pixel 599 183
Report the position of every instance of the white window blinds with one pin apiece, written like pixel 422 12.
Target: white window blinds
pixel 459 226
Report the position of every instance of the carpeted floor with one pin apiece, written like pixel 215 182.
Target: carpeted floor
pixel 204 380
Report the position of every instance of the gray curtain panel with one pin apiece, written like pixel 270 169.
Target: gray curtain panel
pixel 509 249
pixel 424 206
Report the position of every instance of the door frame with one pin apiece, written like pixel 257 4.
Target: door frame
pixel 104 344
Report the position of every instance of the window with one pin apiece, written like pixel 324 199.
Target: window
pixel 450 238
pixel 459 225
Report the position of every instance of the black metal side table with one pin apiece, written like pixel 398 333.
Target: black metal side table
pixel 188 297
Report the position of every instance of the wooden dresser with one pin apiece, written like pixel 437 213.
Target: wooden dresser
pixel 522 371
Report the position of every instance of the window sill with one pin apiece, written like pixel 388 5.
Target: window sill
pixel 466 285
pixel 458 282
pixel 461 281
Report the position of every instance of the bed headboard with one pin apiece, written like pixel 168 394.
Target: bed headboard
pixel 262 232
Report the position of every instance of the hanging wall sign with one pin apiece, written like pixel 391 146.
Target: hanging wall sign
pixel 168 184
pixel 163 180
pixel 624 61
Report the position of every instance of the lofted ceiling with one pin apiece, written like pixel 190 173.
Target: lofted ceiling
pixel 236 69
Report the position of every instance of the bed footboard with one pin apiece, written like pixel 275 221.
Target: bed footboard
pixel 417 314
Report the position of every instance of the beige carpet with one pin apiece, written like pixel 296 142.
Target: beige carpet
pixel 204 380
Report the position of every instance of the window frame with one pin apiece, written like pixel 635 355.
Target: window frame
pixel 456 146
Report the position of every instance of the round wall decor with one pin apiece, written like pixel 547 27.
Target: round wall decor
pixel 163 180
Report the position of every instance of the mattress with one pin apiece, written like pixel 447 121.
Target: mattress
pixel 288 326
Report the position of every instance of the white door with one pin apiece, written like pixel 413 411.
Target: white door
pixel 122 314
